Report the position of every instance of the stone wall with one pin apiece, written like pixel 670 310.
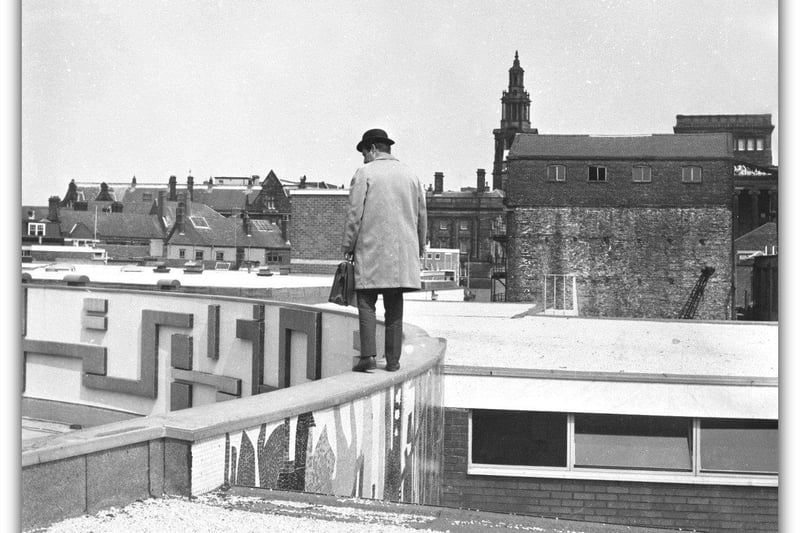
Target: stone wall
pixel 628 261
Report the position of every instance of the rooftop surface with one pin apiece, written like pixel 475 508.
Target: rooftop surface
pixel 255 510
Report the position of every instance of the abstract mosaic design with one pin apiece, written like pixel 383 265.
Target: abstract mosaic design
pixel 385 446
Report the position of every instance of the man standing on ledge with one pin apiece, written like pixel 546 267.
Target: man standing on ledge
pixel 385 236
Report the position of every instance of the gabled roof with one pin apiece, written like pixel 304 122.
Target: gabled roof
pixel 113 225
pixel 227 232
pixel 669 146
pixel 764 235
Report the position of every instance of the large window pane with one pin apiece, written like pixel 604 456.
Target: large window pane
pixel 519 438
pixel 634 442
pixel 739 445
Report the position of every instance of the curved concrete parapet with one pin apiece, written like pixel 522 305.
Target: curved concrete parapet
pixel 301 421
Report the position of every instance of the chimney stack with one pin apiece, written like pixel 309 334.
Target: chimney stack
pixel 52 214
pixel 246 224
pixel 438 182
pixel 116 207
pixel 173 189
pixel 162 199
pixel 210 184
pixel 481 180
pixel 133 184
pixel 187 205
pixel 180 220
pixel 190 187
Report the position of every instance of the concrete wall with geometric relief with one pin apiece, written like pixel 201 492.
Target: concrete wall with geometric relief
pixel 628 261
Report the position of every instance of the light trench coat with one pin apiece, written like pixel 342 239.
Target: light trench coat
pixel 386 225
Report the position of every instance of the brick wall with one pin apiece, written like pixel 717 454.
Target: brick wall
pixel 528 184
pixel 629 261
pixel 716 509
pixel 316 230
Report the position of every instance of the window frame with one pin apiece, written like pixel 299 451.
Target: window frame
pixel 181 253
pixel 695 476
pixel 598 168
pixel 37 229
pixel 198 255
pixel 560 176
pixel 220 256
pixel 691 179
pixel 642 180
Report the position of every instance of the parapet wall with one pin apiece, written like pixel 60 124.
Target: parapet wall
pixel 219 391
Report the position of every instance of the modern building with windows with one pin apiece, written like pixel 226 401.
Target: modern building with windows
pixel 657 423
pixel 620 225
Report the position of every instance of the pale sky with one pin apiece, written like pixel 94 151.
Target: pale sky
pixel 116 88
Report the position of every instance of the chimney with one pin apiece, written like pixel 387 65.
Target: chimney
pixel 133 184
pixel 481 180
pixel 173 191
pixel 180 220
pixel 210 183
pixel 116 207
pixel 246 224
pixel 438 182
pixel 52 214
pixel 187 205
pixel 162 199
pixel 302 184
pixel 190 187
pixel 284 236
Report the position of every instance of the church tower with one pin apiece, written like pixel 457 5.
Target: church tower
pixel 515 119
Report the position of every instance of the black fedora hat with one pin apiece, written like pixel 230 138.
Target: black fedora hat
pixel 374 136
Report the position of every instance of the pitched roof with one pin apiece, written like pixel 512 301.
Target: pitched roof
pixel 223 231
pixel 672 146
pixel 110 225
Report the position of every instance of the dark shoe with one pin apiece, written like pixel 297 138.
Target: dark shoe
pixel 364 364
pixel 392 367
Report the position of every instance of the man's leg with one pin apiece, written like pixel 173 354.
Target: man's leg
pixel 366 329
pixel 393 308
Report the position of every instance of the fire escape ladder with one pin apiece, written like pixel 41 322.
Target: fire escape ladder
pixel 690 307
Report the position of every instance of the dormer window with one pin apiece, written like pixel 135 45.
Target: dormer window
pixel 36 229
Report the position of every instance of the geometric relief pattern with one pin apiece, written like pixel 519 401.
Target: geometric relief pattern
pixel 185 378
pixel 253 331
pixel 94 313
pixel 310 323
pixel 93 357
pixel 147 384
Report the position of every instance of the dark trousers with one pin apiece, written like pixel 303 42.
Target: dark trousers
pixel 393 319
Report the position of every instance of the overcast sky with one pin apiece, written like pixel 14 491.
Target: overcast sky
pixel 115 88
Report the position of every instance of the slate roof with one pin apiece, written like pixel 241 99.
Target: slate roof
pixel 112 225
pixel 224 231
pixel 659 146
pixel 220 198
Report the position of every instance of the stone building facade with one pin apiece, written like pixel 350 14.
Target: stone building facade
pixel 620 226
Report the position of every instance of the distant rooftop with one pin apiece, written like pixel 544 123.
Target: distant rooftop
pixel 673 146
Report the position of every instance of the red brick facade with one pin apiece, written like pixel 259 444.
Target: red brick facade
pixel 316 230
pixel 712 508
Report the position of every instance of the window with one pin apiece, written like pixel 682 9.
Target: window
pixel 519 438
pixel 35 228
pixel 623 447
pixel 273 257
pixel 199 222
pixel 463 225
pixel 220 256
pixel 759 144
pixel 750 144
pixel 270 202
pixel 443 224
pixel 640 442
pixel 597 173
pixel 740 145
pixel 198 255
pixel 738 445
pixel 691 174
pixel 642 174
pixel 181 253
pixel 557 173
pixel 147 197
